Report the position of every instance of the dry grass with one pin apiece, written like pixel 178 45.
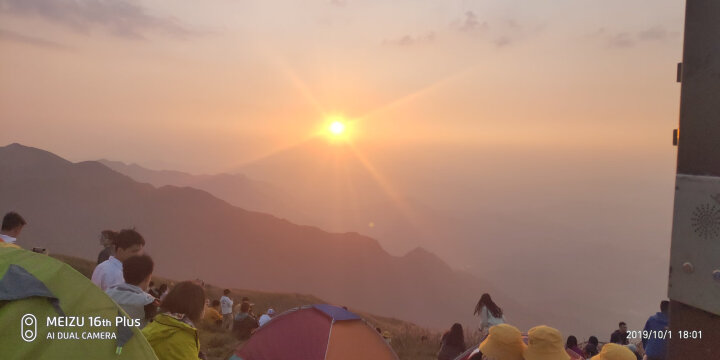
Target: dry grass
pixel 216 344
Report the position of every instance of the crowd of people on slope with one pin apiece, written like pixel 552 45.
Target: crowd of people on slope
pixel 502 341
pixel 168 314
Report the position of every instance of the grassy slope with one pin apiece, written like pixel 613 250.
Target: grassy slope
pixel 219 345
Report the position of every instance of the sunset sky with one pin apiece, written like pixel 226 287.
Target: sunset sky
pixel 207 88
pixel 542 127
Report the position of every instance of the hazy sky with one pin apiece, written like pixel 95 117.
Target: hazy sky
pixel 206 87
pixel 547 124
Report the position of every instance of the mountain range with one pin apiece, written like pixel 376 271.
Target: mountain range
pixel 193 234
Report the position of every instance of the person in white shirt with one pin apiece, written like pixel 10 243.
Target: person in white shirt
pixel 12 225
pixel 490 314
pixel 127 243
pixel 131 295
pixel 266 317
pixel 226 309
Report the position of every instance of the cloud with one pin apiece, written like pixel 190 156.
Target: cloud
pixel 621 40
pixel 502 41
pixel 470 22
pixel 499 32
pixel 340 3
pixel 631 39
pixel 654 33
pixel 120 18
pixel 408 40
pixel 8 35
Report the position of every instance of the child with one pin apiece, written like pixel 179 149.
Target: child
pixel 226 308
pixel 131 295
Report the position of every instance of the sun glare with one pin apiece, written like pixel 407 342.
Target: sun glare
pixel 337 127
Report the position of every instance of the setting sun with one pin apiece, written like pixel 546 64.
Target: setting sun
pixel 337 127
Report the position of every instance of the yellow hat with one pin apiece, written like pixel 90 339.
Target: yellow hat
pixel 614 352
pixel 386 334
pixel 503 342
pixel 545 343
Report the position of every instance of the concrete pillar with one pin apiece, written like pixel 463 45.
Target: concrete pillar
pixel 693 289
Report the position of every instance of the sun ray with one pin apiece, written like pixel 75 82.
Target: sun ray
pixel 338 128
pixel 300 86
pixel 404 99
pixel 386 186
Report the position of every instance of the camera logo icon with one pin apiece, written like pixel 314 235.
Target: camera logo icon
pixel 28 327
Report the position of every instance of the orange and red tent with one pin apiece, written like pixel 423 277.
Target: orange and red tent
pixel 317 332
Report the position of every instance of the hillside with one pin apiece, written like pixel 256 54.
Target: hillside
pixel 192 234
pixel 317 201
pixel 237 189
pixel 218 345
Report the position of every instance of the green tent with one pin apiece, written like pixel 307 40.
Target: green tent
pixel 50 311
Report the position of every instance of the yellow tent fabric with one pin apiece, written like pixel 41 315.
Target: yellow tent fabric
pixel 345 337
pixel 80 324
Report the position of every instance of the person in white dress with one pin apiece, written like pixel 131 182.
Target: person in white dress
pixel 490 314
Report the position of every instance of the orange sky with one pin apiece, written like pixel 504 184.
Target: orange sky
pixel 205 89
pixel 546 124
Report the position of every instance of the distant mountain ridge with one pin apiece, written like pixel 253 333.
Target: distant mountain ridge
pixel 192 234
pixel 320 201
pixel 236 189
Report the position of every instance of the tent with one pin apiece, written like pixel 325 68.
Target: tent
pixel 50 311
pixel 317 332
pixel 475 349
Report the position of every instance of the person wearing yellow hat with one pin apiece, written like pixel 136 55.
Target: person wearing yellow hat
pixel 614 352
pixel 545 343
pixel 504 342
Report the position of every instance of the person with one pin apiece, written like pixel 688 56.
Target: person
pixel 614 351
pixel 244 324
pixel 161 291
pixel 633 348
pixel 571 345
pixel 152 290
pixel 12 225
pixel 226 309
pixel 504 342
pixel 591 348
pixel 173 334
pixel 131 295
pixel 545 343
pixel 619 336
pixel 127 243
pixel 212 316
pixel 266 317
pixel 106 240
pixel 387 336
pixel 655 346
pixel 452 343
pixel 490 314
